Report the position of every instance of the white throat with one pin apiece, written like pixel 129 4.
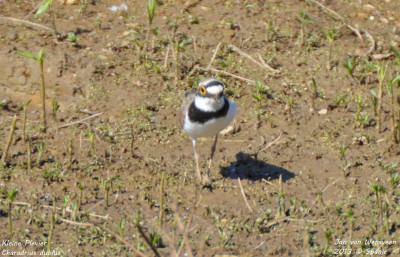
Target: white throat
pixel 207 104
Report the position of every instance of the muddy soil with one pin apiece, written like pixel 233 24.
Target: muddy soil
pixel 303 171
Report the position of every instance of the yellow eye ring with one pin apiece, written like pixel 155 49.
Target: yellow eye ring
pixel 203 90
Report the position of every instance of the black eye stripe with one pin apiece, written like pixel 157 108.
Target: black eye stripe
pixel 214 83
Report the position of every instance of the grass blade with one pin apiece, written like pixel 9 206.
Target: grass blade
pixel 26 54
pixel 43 7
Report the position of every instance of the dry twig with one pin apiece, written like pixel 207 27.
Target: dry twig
pixel 214 55
pixel 120 239
pixel 316 199
pixel 80 121
pixel 147 240
pixel 9 140
pixel 283 219
pixel 244 196
pixel 327 9
pixel 95 224
pixel 34 9
pixel 382 56
pixel 77 223
pixel 185 237
pixel 352 28
pixel 371 39
pixel 225 73
pixel 28 23
pixel 262 64
pixel 266 65
pixel 166 57
pixel 59 209
pixel 237 50
pixel 272 143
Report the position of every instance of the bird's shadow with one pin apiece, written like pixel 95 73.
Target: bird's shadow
pixel 248 167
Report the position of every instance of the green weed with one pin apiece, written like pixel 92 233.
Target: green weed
pixel 42 149
pixel 98 22
pixel 342 149
pixel 351 220
pixel 382 70
pixel 56 106
pixel 350 66
pixel 47 5
pixel 156 239
pixel 53 175
pixel 151 10
pixel 121 228
pixel 72 38
pixel 24 106
pixel 394 123
pixel 331 35
pixel 10 197
pixel 40 61
pixel 83 8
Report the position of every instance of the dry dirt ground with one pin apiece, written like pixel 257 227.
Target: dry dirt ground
pixel 305 76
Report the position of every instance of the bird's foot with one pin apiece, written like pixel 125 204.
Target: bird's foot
pixel 206 180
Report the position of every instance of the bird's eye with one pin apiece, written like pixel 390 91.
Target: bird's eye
pixel 203 90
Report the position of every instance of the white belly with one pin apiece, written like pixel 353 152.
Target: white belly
pixel 211 127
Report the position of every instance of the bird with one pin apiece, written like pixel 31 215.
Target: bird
pixel 205 113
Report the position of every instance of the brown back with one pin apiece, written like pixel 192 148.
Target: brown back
pixel 189 98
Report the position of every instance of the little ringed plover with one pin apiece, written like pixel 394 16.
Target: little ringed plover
pixel 205 113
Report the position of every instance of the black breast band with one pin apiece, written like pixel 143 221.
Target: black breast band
pixel 196 115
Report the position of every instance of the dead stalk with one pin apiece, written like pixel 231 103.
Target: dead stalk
pixel 261 64
pixel 392 119
pixel 244 196
pixel 120 239
pixel 382 75
pixel 281 200
pixel 27 23
pixel 355 30
pixel 132 142
pixel 166 57
pixel 225 73
pixel 24 121
pixel 148 241
pixel 272 143
pixel 9 140
pixel 266 65
pixel 43 98
pixel 185 235
pixel 306 242
pixel 214 55
pixel 80 121
pixel 29 162
pixel 161 199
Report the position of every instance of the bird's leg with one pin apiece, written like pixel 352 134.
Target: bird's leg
pixel 196 158
pixel 206 178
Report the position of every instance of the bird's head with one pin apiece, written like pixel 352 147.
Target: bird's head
pixel 210 95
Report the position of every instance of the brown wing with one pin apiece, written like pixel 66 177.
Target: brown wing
pixel 189 98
